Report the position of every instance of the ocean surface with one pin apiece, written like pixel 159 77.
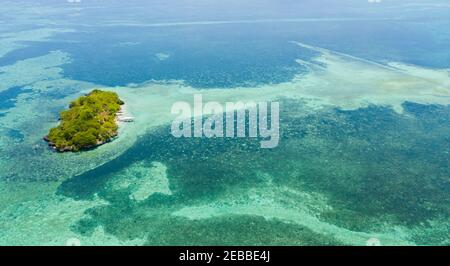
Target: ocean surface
pixel 364 92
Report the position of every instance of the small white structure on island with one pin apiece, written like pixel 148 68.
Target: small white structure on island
pixel 126 119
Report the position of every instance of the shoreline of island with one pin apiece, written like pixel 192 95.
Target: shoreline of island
pixel 91 121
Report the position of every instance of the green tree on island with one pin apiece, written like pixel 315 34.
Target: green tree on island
pixel 89 122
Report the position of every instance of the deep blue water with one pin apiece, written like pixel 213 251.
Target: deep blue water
pixel 236 54
pixel 7 97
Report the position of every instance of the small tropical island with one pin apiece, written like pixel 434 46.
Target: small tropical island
pixel 90 121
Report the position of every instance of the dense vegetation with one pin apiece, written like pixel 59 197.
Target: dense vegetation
pixel 90 121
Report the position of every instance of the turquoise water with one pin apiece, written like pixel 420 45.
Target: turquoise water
pixel 369 180
pixel 364 146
